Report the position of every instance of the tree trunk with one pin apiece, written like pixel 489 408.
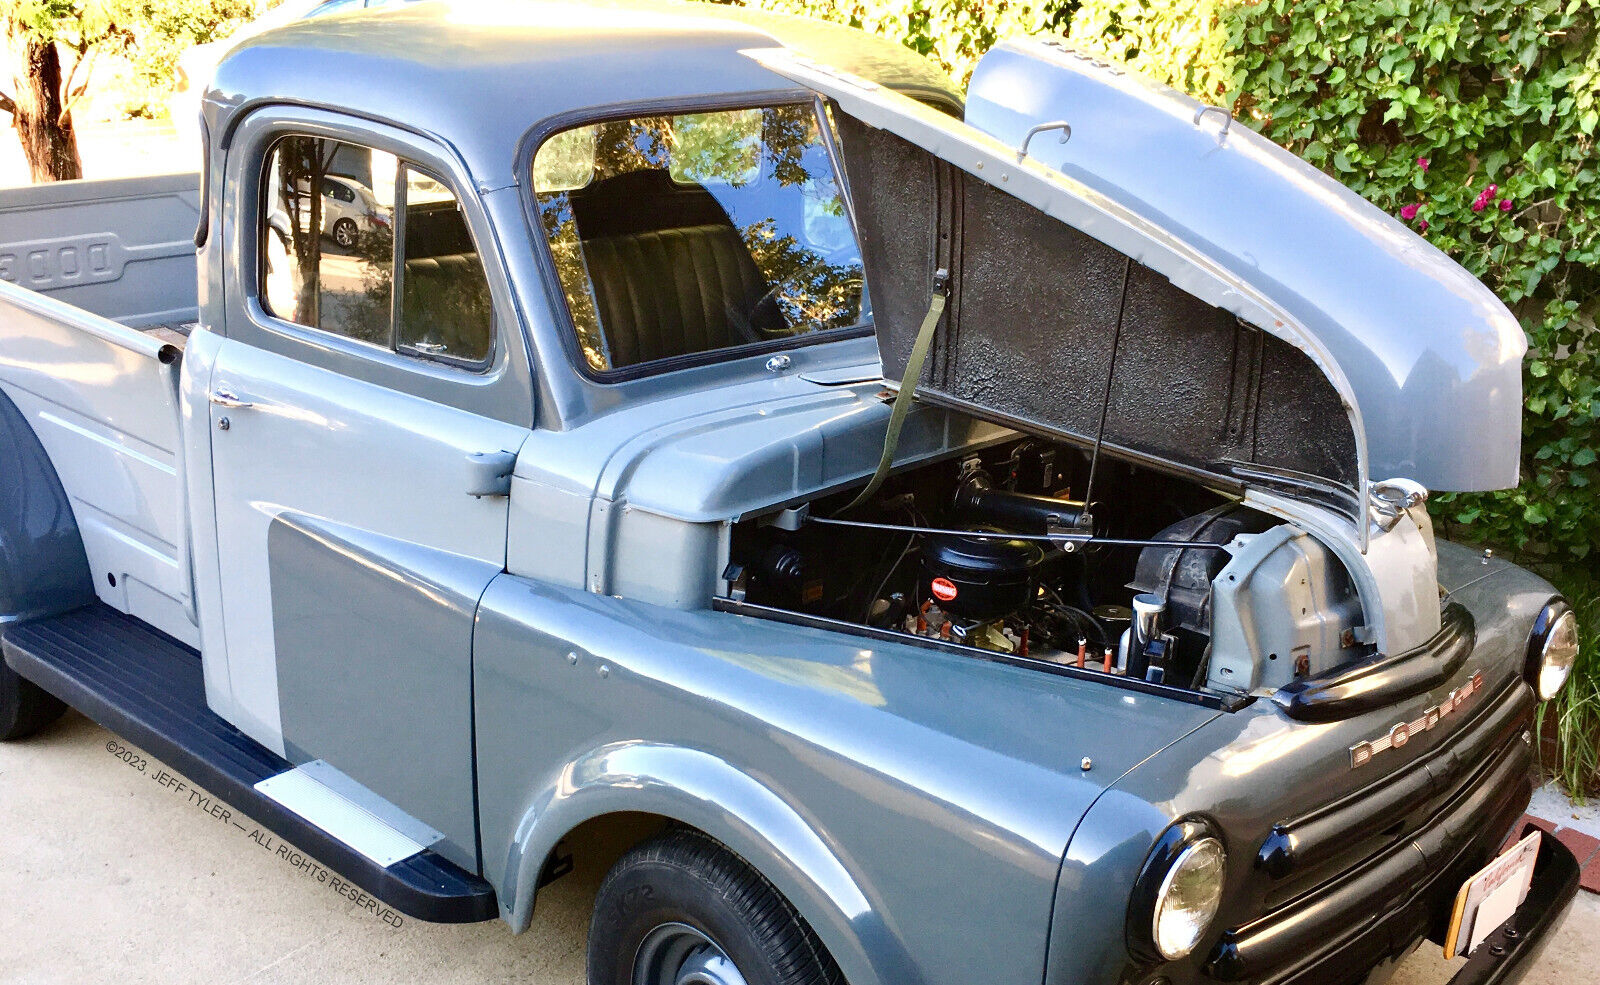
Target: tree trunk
pixel 48 139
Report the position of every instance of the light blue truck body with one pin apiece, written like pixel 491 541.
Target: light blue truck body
pixel 497 603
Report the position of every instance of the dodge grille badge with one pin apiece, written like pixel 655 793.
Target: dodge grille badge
pixel 1362 752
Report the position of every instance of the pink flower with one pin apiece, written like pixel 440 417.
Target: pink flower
pixel 1479 205
pixel 1409 212
pixel 1489 192
pixel 1505 205
pixel 1422 163
pixel 1422 226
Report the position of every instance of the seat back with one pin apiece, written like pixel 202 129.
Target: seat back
pixel 670 272
pixel 673 291
pixel 446 298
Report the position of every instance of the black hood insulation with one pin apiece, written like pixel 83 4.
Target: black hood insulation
pixel 1033 311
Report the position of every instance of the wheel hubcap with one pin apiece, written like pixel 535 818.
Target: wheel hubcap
pixel 677 954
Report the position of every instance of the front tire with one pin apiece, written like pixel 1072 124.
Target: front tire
pixel 681 909
pixel 24 707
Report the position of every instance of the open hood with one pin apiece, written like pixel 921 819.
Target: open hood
pixel 1266 322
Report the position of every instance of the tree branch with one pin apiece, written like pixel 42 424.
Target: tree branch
pixel 69 98
pixel 71 101
pixel 80 48
pixel 7 104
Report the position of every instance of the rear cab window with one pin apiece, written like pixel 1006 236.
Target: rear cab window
pixel 332 215
pixel 683 237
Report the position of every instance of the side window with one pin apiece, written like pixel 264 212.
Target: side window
pixel 330 214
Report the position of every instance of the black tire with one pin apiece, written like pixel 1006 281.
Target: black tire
pixel 684 879
pixel 346 233
pixel 24 708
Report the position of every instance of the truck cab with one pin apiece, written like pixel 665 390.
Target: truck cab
pixel 929 513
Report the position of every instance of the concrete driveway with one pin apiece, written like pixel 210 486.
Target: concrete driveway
pixel 109 876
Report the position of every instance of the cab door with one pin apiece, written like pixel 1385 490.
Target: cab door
pixel 365 411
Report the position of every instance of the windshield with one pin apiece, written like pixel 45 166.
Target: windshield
pixel 697 233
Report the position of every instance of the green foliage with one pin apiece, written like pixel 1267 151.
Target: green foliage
pixel 1185 45
pixel 81 28
pixel 145 37
pixel 1574 718
pixel 73 23
pixel 1499 99
pixel 163 30
pixel 954 33
pixel 49 47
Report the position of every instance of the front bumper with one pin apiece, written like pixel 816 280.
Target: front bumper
pixel 1503 958
pixel 1368 916
pixel 1505 955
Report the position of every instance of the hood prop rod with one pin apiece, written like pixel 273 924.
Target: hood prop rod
pixel 1086 519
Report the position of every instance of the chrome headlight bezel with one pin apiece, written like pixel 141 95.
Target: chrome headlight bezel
pixel 1552 649
pixel 1184 842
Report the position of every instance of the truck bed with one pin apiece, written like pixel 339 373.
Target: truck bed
pixel 97 290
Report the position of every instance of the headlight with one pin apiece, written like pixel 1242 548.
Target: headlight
pixel 1179 892
pixel 1189 898
pixel 1553 649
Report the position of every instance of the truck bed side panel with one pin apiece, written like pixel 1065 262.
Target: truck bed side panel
pixel 122 249
pixel 83 267
pixel 103 404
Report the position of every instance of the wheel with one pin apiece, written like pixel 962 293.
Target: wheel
pixel 24 708
pixel 345 233
pixel 681 909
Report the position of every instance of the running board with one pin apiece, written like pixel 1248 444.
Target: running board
pixel 149 688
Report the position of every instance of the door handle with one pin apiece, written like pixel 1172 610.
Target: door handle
pixel 489 473
pixel 227 398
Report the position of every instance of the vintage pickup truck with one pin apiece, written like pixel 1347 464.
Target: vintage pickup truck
pixel 976 540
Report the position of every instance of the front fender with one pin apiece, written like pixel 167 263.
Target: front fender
pixel 701 790
pixel 1256 769
pixel 912 804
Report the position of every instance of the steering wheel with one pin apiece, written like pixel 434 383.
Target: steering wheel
pixel 766 315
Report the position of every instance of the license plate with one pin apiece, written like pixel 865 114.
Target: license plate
pixel 1490 897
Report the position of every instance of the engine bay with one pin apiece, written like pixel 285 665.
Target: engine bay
pixel 993 551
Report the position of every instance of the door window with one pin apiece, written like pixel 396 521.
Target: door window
pixel 330 213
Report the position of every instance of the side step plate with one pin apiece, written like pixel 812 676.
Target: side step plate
pixel 148 688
